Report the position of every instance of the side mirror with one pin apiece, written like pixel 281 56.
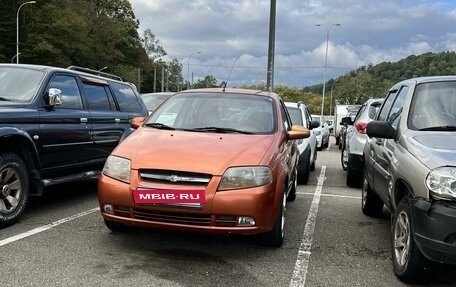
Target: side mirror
pixel 314 124
pixel 298 132
pixel 346 121
pixel 137 122
pixel 54 97
pixel 380 129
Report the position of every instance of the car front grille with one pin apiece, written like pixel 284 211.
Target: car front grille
pixel 174 177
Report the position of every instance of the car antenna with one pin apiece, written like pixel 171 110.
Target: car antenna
pixel 229 75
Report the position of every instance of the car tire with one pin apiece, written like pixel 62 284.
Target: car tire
pixel 344 158
pixel 275 237
pixel 371 204
pixel 327 142
pixel 409 264
pixel 15 193
pixel 294 188
pixel 304 171
pixel 312 166
pixel 353 179
pixel 115 226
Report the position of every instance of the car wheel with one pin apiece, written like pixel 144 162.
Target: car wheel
pixel 312 166
pixel 371 204
pixel 409 263
pixel 344 158
pixel 274 238
pixel 304 171
pixel 115 226
pixel 14 188
pixel 292 194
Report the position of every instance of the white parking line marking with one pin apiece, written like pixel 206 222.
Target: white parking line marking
pixel 304 252
pixel 46 227
pixel 331 195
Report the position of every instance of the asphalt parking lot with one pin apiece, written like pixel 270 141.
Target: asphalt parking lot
pixel 62 241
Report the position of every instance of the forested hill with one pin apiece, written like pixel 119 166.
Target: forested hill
pixel 373 81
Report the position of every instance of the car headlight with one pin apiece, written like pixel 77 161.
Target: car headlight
pixel 442 182
pixel 245 177
pixel 117 168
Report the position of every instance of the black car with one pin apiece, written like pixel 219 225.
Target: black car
pixel 57 125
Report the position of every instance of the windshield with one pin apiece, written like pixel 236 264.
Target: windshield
pixel 216 112
pixel 434 107
pixel 19 84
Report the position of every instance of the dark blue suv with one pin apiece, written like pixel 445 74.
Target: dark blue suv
pixel 57 125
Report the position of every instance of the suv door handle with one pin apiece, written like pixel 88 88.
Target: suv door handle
pixel 84 120
pixel 117 120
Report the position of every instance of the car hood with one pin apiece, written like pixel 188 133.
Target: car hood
pixel 210 153
pixel 434 149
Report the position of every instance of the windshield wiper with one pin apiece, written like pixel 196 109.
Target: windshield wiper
pixel 6 99
pixel 221 130
pixel 159 126
pixel 439 128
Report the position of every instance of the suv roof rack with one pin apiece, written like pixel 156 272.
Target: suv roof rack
pixel 95 72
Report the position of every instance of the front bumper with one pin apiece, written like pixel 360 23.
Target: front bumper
pixel 435 230
pixel 218 215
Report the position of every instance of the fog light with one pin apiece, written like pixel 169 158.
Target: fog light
pixel 108 208
pixel 245 221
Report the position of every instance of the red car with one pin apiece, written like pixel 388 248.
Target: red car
pixel 220 161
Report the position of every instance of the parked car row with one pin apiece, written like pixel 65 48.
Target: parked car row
pixel 321 132
pixel 409 167
pixel 208 160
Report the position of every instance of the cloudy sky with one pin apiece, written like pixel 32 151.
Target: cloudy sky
pixel 237 31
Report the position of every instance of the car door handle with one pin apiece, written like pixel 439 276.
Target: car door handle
pixel 84 120
pixel 117 120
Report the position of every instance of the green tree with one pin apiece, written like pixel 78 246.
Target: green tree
pixel 208 82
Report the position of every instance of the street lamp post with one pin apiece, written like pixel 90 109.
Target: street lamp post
pixel 17 28
pixel 326 62
pixel 188 68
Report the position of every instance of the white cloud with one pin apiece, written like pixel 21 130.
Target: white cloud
pixel 371 32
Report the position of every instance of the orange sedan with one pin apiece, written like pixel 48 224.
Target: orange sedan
pixel 220 161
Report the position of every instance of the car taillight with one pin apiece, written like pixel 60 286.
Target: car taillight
pixel 361 127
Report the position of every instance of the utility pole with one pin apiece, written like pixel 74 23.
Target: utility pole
pixel 270 72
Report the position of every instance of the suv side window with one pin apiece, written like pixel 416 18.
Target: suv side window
pixel 396 108
pixel 126 97
pixel 71 96
pixel 97 97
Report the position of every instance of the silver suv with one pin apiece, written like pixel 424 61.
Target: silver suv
pixel 410 167
pixel 355 138
pixel 307 147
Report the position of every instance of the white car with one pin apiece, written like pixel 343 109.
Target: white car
pixel 307 147
pixel 352 157
pixel 321 132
